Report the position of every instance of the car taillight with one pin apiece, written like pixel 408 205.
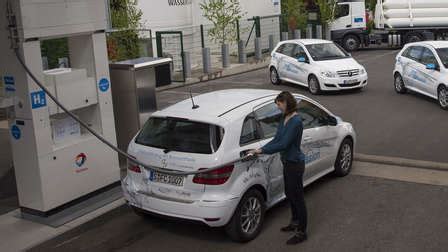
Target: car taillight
pixel 134 167
pixel 216 177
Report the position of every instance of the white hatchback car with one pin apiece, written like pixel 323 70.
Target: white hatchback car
pixel 218 133
pixel 423 67
pixel 320 65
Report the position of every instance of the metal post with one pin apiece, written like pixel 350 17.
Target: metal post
pixel 242 56
pixel 257 27
pixel 284 36
pixel 225 55
pixel 202 36
pixel 206 60
pixel 257 48
pixel 187 64
pixel 271 43
pixel 297 34
pixel 319 31
pixel 309 31
pixel 238 30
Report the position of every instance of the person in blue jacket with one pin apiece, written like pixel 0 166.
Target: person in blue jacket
pixel 287 141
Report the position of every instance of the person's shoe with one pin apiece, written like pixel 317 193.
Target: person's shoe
pixel 297 238
pixel 288 228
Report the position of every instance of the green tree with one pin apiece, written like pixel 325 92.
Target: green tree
pixel 123 42
pixel 294 14
pixel 223 14
pixel 327 10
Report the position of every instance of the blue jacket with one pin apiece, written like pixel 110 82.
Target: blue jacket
pixel 287 140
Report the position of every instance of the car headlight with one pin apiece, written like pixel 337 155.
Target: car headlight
pixel 329 74
pixel 362 71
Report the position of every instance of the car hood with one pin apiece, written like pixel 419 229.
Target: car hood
pixel 338 65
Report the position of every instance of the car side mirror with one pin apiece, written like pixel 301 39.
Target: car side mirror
pixel 431 66
pixel 332 121
pixel 301 59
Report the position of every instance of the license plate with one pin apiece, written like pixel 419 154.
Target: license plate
pixel 166 178
pixel 350 81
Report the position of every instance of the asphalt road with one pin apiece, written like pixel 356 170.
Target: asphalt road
pixel 388 124
pixel 353 213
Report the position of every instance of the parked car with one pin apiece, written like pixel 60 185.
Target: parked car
pixel 423 67
pixel 217 132
pixel 320 65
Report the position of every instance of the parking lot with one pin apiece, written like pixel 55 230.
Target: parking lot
pixel 354 213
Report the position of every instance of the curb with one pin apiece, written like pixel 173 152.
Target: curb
pixel 240 69
pixel 402 162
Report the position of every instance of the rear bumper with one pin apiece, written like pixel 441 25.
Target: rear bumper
pixel 210 212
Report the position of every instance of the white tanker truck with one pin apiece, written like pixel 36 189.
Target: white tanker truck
pixel 397 22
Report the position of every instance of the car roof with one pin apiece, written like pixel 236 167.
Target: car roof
pixel 215 104
pixel 434 44
pixel 307 41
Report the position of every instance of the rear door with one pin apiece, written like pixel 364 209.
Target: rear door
pixel 410 63
pixel 286 67
pixel 175 144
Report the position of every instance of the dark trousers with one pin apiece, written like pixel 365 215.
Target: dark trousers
pixel 293 177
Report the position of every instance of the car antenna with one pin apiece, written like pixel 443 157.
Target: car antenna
pixel 192 101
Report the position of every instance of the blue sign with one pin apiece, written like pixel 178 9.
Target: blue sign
pixel 103 85
pixel 359 20
pixel 9 83
pixel 38 99
pixel 15 132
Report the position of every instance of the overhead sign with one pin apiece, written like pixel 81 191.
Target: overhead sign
pixel 38 99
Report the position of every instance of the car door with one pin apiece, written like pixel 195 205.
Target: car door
pixel 427 81
pixel 268 117
pixel 303 68
pixel 343 17
pixel 283 54
pixel 319 138
pixel 410 63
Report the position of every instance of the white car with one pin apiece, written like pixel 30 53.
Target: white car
pixel 320 65
pixel 423 67
pixel 218 133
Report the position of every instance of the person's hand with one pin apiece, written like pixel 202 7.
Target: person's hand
pixel 254 152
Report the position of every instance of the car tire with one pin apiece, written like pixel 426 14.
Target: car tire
pixel 314 85
pixel 351 43
pixel 274 77
pixel 442 94
pixel 237 228
pixel 399 84
pixel 344 160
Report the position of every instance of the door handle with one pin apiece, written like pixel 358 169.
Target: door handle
pixel 307 139
pixel 348 26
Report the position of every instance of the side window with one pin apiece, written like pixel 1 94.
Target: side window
pixel 428 57
pixel 288 49
pixel 342 10
pixel 280 49
pixel 415 53
pixel 312 116
pixel 250 131
pixel 299 52
pixel 268 118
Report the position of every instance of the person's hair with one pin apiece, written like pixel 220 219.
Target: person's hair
pixel 288 98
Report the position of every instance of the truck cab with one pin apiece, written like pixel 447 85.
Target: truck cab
pixel 349 27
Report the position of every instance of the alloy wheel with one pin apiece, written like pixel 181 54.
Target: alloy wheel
pixel 346 157
pixel 443 97
pixel 251 215
pixel 274 76
pixel 314 86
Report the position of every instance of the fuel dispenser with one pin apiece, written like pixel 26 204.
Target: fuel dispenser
pixel 57 162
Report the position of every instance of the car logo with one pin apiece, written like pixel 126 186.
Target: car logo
pixel 80 159
pixel 164 163
pixel 350 74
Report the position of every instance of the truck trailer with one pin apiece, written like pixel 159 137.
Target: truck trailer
pixel 396 22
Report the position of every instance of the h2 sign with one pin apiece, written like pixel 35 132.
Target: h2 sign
pixel 38 99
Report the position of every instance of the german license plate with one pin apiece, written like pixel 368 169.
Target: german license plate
pixel 350 81
pixel 166 178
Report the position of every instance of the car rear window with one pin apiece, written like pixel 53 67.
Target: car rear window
pixel 177 134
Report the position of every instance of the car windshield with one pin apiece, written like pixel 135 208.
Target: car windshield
pixel 176 134
pixel 326 51
pixel 443 55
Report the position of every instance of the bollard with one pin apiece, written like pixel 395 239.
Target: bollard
pixel 206 60
pixel 187 64
pixel 309 31
pixel 257 48
pixel 297 34
pixel 319 31
pixel 327 33
pixel 271 43
pixel 225 55
pixel 242 56
pixel 284 36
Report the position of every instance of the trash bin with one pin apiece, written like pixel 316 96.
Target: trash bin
pixel 133 84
